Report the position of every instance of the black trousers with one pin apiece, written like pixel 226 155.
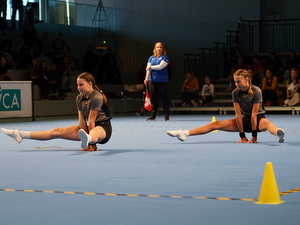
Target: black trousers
pixel 156 90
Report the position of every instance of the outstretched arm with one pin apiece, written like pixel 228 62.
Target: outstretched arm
pixel 82 121
pixel 254 122
pixel 239 122
pixel 91 125
pixel 92 119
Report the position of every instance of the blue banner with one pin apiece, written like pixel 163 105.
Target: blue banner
pixel 10 100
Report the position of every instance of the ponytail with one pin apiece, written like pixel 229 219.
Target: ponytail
pixel 103 95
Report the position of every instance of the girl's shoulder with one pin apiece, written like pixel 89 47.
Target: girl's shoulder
pixel 79 97
pixel 256 88
pixel 96 94
pixel 235 91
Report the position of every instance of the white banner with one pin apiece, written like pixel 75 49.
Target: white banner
pixel 15 99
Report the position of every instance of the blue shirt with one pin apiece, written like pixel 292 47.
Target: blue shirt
pixel 158 75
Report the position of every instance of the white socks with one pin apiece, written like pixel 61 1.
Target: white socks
pixel 16 134
pixel 24 134
pixel 186 132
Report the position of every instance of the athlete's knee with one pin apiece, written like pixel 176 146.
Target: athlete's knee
pixel 216 125
pixel 57 131
pixel 98 133
pixel 264 124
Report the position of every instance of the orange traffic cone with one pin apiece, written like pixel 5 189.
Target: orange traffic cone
pixel 269 191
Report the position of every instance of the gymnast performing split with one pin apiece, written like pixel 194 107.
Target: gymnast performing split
pixel 249 114
pixel 94 124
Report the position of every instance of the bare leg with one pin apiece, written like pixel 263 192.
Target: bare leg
pixel 97 134
pixel 69 133
pixel 225 125
pixel 265 124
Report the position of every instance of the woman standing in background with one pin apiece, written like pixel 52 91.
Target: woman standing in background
pixel 157 80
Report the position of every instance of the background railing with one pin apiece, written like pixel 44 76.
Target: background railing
pixel 280 35
pixel 255 37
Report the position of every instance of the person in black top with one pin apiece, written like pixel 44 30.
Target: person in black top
pixel 4 69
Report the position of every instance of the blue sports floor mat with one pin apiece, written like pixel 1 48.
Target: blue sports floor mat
pixel 143 176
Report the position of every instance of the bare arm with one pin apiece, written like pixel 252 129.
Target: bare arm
pixel 148 72
pixel 91 125
pixel 239 121
pixel 287 91
pixel 238 116
pixel 92 119
pixel 264 84
pixel 254 121
pixel 82 121
pixel 295 90
pixel 274 83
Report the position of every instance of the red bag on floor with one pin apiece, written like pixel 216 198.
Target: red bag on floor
pixel 147 102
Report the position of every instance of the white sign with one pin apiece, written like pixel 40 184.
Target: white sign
pixel 15 99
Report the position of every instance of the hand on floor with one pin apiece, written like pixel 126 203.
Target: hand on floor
pixel 90 148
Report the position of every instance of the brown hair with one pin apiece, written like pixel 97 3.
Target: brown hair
pixel 90 78
pixel 164 52
pixel 244 73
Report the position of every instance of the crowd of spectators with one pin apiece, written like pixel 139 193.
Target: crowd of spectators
pixel 267 72
pixel 49 63
pixel 192 94
pixel 43 55
pixel 35 60
pixel 103 67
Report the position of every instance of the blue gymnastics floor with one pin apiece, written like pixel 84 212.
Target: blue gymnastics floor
pixel 143 176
